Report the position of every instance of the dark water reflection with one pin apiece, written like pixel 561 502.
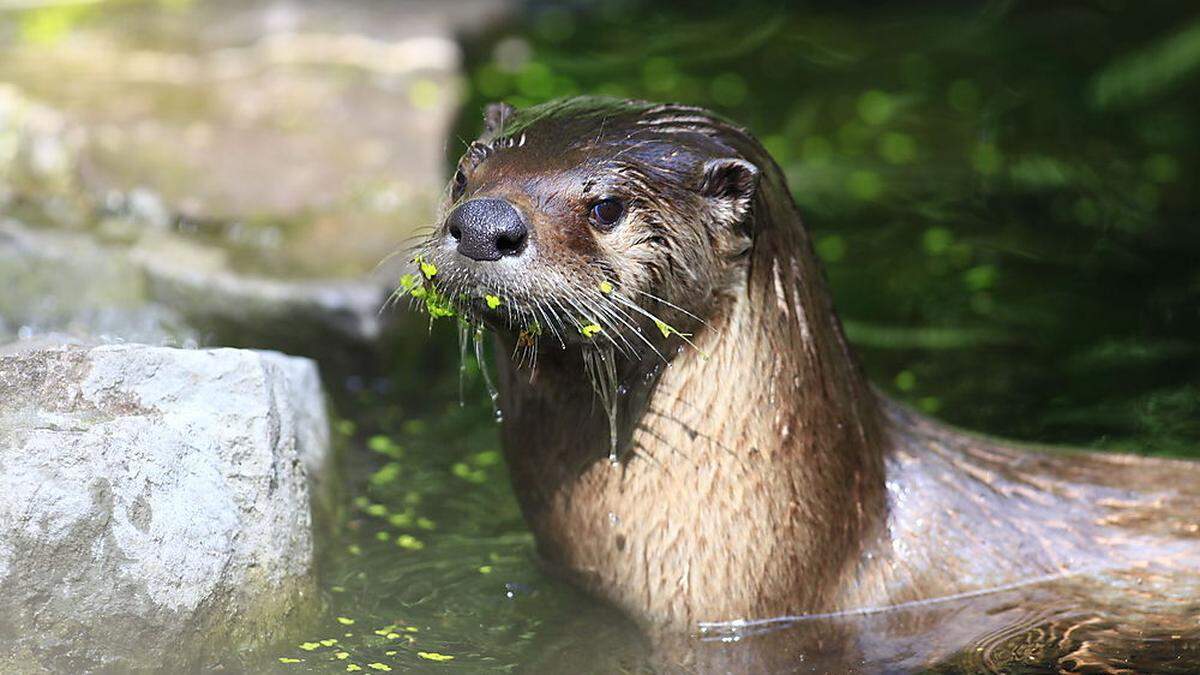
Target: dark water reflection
pixel 1004 197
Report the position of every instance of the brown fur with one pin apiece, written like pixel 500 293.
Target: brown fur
pixel 760 475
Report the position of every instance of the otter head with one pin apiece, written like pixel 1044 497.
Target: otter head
pixel 595 221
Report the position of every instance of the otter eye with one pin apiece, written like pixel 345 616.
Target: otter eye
pixel 460 184
pixel 606 213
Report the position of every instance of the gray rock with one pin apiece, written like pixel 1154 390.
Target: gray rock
pixel 154 504
pixel 309 137
pixel 232 172
pixel 68 283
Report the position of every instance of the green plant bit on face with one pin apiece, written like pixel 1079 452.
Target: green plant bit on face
pixel 589 330
pixel 528 336
pixel 492 301
pixel 668 330
pixel 606 287
pixel 428 269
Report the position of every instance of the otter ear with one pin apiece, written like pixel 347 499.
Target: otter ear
pixel 730 183
pixel 495 117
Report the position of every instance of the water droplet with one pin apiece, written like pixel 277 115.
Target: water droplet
pixel 613 518
pixel 481 359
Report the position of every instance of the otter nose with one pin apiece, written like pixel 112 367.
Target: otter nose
pixel 487 229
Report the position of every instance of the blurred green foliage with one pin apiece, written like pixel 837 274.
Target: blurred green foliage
pixel 1004 194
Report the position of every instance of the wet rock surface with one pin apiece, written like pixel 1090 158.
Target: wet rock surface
pixel 256 164
pixel 154 503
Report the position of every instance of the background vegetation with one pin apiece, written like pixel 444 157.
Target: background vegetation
pixel 1004 194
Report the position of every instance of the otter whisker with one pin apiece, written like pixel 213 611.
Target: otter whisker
pixel 629 321
pixel 616 319
pixel 562 312
pixel 546 316
pixel 580 312
pixel 637 308
pixel 600 312
pixel 671 305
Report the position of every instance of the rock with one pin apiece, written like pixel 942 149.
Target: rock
pixel 154 504
pixel 62 282
pixel 308 137
pixel 233 173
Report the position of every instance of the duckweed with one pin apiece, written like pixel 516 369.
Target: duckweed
pixel 409 542
pixel 666 329
pixel 428 269
pixel 492 301
pixel 434 656
pixel 387 475
pixel 589 330
pixel 345 621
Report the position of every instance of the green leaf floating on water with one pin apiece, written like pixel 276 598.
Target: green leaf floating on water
pixel 434 656
pixel 409 542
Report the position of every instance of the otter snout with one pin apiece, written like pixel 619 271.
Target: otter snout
pixel 487 229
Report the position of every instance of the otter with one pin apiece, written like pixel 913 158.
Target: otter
pixel 690 435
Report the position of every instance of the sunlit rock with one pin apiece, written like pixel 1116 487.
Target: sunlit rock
pixel 309 137
pixel 247 172
pixel 154 504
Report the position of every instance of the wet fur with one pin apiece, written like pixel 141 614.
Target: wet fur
pixel 760 475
